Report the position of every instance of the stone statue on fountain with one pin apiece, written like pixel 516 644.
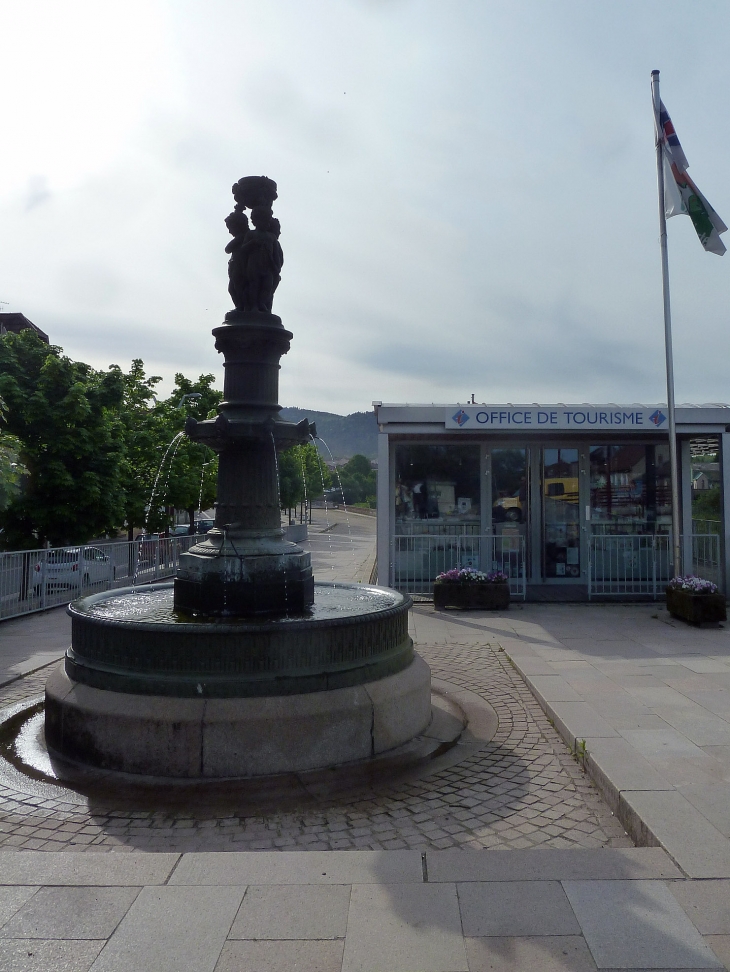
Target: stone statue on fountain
pixel 254 269
pixel 245 567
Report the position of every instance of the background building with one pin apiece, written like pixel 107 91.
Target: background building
pixel 571 501
pixel 19 322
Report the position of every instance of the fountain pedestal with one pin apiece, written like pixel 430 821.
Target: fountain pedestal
pixel 245 567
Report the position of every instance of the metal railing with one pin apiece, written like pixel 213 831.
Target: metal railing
pixel 703 526
pixel 417 559
pixel 33 580
pixel 642 565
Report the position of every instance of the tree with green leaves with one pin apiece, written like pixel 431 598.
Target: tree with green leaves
pixel 65 415
pixel 163 469
pixel 358 479
pixel 12 469
pixel 303 476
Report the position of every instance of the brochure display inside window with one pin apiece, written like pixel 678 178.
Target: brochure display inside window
pixel 630 489
pixel 437 489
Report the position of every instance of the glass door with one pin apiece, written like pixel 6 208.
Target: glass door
pixel 510 510
pixel 560 514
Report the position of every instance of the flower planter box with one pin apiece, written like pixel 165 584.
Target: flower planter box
pixel 696 608
pixel 489 597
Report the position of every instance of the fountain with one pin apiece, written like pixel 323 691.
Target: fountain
pixel 244 666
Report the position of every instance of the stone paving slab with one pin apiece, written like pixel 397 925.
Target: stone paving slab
pixel 293 911
pixel 78 869
pixel 317 867
pixel 634 863
pixel 515 909
pixel 637 924
pixel 713 802
pixel 534 923
pixel 33 955
pixel 618 766
pixel 12 899
pixel 553 953
pixel 404 926
pixel 697 847
pixel 706 902
pixel 277 956
pixel 172 930
pixel 70 913
pixel 720 945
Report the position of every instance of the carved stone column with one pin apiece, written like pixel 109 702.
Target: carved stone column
pixel 244 566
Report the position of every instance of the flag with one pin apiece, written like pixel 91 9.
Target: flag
pixel 681 195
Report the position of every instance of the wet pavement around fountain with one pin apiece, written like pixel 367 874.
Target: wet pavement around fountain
pixel 398 874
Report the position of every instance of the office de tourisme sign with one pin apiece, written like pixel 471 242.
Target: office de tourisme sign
pixel 540 418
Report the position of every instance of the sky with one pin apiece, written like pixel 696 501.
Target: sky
pixel 467 190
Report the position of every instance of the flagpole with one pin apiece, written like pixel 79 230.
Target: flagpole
pixel 667 329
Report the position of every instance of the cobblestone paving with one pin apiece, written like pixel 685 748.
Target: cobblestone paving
pixel 522 789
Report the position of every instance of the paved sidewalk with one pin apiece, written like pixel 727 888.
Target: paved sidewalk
pixel 647 699
pixel 641 698
pixel 389 911
pixel 29 642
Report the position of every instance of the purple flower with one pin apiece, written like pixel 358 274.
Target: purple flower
pixel 468 575
pixel 696 585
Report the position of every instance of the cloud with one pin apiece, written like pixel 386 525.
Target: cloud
pixel 467 192
pixel 37 192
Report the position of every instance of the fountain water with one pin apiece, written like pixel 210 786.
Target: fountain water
pixel 244 666
pixel 172 447
pixel 342 492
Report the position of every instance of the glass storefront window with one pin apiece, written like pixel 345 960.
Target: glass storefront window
pixel 630 489
pixel 510 509
pixel 706 485
pixel 437 488
pixel 509 486
pixel 561 513
pixel 437 513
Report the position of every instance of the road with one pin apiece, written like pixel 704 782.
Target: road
pixel 342 545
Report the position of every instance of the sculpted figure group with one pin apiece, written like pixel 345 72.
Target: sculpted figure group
pixel 254 269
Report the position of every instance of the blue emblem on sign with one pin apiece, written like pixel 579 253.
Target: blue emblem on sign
pixel 657 418
pixel 461 417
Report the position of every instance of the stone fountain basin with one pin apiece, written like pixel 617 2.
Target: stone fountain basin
pixel 146 691
pixel 135 641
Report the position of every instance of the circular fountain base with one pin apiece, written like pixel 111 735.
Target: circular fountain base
pixel 146 689
pixel 225 737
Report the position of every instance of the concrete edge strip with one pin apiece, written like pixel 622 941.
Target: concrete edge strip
pixel 32 671
pixel 636 827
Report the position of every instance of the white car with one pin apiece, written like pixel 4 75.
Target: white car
pixel 72 567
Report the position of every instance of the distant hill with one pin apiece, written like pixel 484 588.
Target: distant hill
pixel 346 435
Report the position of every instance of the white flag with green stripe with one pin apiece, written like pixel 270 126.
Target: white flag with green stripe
pixel 681 195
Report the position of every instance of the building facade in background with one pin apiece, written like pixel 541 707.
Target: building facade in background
pixel 571 501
